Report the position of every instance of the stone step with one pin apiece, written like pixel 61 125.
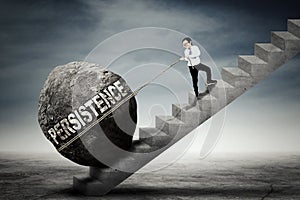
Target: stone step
pixel 171 125
pixel 153 136
pixel 194 102
pixel 177 108
pixel 100 181
pixel 254 66
pixel 294 27
pixel 269 53
pixel 223 92
pixel 285 41
pixel 208 105
pixel 187 114
pixel 237 77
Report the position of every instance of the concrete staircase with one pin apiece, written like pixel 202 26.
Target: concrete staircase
pixel 188 116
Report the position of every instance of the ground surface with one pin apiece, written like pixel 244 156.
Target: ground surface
pixel 48 176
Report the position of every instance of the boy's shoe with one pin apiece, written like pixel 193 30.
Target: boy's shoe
pixel 203 94
pixel 211 82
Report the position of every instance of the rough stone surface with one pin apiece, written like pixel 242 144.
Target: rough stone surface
pixel 69 86
pixel 217 177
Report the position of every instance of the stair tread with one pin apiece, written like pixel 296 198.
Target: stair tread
pixel 206 97
pixel 222 84
pixel 236 71
pixel 252 59
pixel 268 47
pixel 285 35
pixel 181 105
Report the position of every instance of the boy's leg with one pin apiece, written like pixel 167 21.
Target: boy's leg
pixel 194 74
pixel 206 69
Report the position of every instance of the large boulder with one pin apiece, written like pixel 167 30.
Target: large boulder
pixel 74 98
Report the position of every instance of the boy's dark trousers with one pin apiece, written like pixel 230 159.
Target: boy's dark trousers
pixel 194 74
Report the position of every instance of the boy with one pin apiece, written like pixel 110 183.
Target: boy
pixel 192 56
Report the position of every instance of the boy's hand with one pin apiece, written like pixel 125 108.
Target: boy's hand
pixel 182 58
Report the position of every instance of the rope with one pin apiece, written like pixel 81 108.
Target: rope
pixel 114 108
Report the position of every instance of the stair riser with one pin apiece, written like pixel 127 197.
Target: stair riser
pixel 188 117
pixel 237 81
pixel 209 107
pixel 274 59
pixel 287 45
pixel 294 29
pixel 257 71
pixel 166 127
pixel 225 95
pixel 192 118
pixel 233 94
pixel 172 129
pixel 206 106
pixel 176 111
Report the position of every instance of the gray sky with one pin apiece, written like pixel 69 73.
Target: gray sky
pixel 35 36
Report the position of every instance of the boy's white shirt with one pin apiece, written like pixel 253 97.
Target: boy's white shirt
pixel 194 58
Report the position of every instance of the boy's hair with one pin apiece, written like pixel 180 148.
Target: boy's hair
pixel 187 39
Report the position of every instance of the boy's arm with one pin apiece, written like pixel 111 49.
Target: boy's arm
pixel 185 56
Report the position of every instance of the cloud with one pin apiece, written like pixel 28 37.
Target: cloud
pixel 38 35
